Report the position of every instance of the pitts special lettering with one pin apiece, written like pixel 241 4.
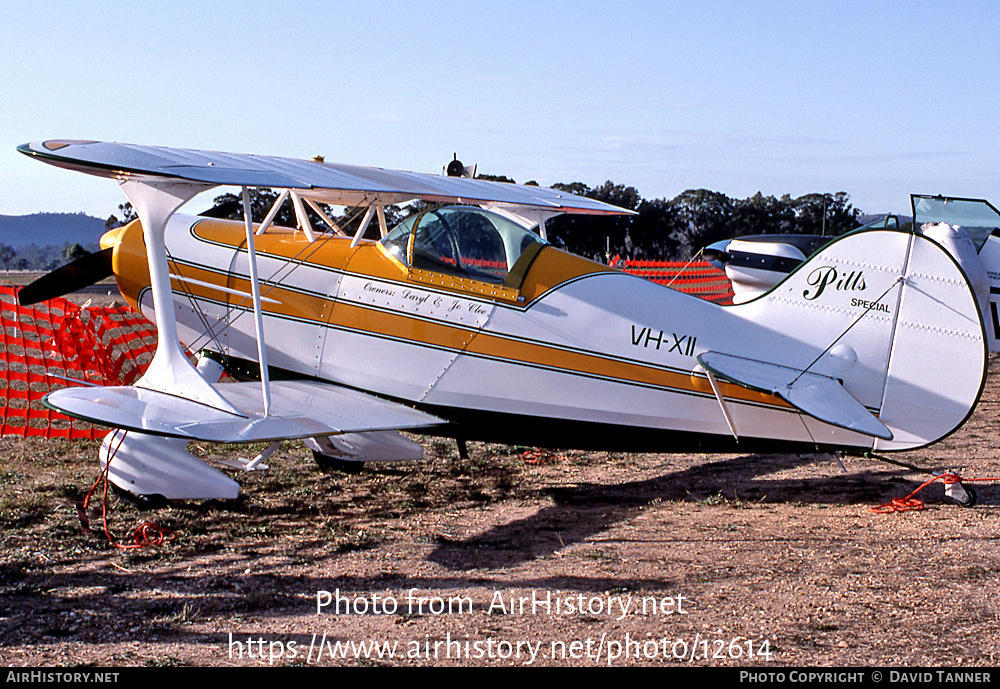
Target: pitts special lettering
pixel 827 276
pixel 672 342
pixel 870 305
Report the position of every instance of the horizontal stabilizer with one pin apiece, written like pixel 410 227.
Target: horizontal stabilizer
pixel 818 396
pixel 299 409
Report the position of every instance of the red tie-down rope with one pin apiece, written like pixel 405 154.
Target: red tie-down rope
pixel 910 503
pixel 539 456
pixel 144 534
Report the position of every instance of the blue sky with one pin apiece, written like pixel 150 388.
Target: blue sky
pixel 878 99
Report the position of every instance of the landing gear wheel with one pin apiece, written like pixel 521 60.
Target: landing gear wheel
pixel 328 463
pixel 970 499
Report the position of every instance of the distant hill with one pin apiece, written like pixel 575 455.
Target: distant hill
pixel 55 229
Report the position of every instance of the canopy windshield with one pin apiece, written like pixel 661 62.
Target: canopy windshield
pixel 976 216
pixel 461 240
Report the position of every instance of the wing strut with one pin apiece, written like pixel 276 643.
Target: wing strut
pixel 325 218
pixel 375 208
pixel 722 403
pixel 258 316
pixel 170 370
pixel 273 212
pixel 302 217
pixel 363 226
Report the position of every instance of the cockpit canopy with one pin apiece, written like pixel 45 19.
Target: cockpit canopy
pixel 977 217
pixel 465 241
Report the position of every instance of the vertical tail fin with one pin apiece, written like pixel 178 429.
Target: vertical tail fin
pixel 891 315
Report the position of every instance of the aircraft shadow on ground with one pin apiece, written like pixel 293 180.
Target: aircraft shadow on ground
pixel 36 609
pixel 579 512
pixel 81 608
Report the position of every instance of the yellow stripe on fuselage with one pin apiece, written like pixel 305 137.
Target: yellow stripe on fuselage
pixel 551 269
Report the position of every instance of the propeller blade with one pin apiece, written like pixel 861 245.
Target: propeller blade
pixel 82 272
pixel 92 268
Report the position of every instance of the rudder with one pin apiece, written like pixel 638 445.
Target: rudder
pixel 891 316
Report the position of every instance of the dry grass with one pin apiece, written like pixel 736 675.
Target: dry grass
pixel 762 547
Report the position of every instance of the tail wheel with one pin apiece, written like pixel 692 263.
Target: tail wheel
pixel 971 498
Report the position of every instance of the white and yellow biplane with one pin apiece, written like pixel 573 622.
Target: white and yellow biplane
pixel 464 322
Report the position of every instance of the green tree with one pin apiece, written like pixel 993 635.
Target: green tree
pixel 595 236
pixel 75 251
pixel 705 217
pixel 829 214
pixel 7 254
pixel 496 178
pixel 653 233
pixel 127 213
pixel 761 214
pixel 230 206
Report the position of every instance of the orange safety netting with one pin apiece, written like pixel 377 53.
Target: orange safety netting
pixel 59 344
pixel 698 278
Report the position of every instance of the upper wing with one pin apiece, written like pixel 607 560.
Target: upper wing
pixel 818 396
pixel 321 181
pixel 299 409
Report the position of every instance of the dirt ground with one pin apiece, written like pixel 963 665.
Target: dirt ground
pixel 583 559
